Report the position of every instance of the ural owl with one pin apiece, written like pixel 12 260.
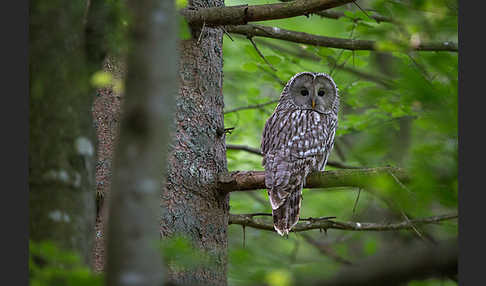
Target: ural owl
pixel 297 139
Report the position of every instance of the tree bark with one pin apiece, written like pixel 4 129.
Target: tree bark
pixel 140 160
pixel 193 206
pixel 242 14
pixel 255 180
pixel 61 148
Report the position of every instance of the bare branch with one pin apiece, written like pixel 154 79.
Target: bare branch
pixel 338 43
pixel 242 14
pixel 308 224
pixel 260 53
pixel 244 148
pixel 255 106
pixel 254 180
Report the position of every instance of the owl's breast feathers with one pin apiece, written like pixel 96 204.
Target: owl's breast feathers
pixel 298 134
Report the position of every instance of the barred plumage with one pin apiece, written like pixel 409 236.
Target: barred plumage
pixel 297 139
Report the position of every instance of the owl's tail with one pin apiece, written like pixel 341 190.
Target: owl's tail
pixel 286 215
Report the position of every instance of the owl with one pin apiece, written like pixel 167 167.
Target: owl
pixel 297 140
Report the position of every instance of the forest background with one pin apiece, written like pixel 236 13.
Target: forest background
pixel 397 132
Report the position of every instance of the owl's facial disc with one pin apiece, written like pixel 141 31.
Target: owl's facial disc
pixel 313 93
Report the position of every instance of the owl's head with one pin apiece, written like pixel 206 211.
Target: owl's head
pixel 312 91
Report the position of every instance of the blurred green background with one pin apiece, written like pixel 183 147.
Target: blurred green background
pixel 410 123
pixel 398 108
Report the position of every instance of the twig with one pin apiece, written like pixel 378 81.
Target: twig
pixel 201 32
pixel 356 201
pixel 254 106
pixel 401 184
pixel 362 10
pixel 413 226
pixel 342 51
pixel 260 53
pixel 227 34
pixel 248 220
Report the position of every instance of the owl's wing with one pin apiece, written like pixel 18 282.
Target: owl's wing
pixel 281 177
pixel 330 131
pixel 266 136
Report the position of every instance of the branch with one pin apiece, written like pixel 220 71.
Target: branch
pixel 242 14
pixel 310 223
pixel 255 106
pixel 258 152
pixel 244 148
pixel 338 43
pixel 255 180
pixel 260 53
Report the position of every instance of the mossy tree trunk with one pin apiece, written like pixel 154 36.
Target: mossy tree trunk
pixel 61 144
pixel 192 205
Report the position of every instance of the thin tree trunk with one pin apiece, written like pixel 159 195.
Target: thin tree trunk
pixel 61 145
pixel 133 254
pixel 193 206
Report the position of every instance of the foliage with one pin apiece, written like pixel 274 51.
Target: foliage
pixel 50 265
pixel 410 122
pixel 397 108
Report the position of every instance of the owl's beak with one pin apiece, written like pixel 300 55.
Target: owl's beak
pixel 313 103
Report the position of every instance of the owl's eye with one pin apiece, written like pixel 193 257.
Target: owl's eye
pixel 321 93
pixel 304 92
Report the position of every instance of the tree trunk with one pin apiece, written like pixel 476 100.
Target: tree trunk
pixel 61 148
pixel 193 206
pixel 140 159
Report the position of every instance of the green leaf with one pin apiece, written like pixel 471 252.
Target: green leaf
pixel 274 60
pixel 249 67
